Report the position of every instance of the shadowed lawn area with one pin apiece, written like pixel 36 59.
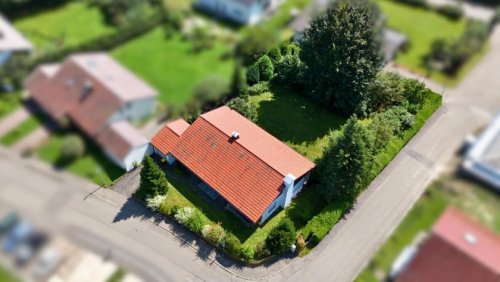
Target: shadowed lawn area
pixel 422 27
pixel 296 120
pixel 22 130
pixel 171 66
pixel 93 165
pixel 67 25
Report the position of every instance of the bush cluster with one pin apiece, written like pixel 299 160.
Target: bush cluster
pixel 450 55
pixel 453 12
pixel 416 3
pixel 281 237
pixel 243 106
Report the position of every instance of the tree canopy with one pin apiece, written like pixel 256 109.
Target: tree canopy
pixel 341 51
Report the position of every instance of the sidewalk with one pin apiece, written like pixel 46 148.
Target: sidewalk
pixel 13 119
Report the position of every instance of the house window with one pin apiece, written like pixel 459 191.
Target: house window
pixel 273 206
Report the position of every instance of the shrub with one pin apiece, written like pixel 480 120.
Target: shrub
pixel 289 70
pixel 383 129
pixel 266 68
pixel 386 90
pixel 254 43
pixel 281 237
pixel 201 39
pixel 232 245
pixel 253 74
pixel 244 107
pixel 258 88
pixel 154 203
pixel 453 12
pixel 210 90
pixel 261 251
pixel 72 148
pixel 247 253
pixel 184 214
pixel 399 117
pixel 214 233
pixel 196 221
pixel 153 180
pixel 417 3
pixel 275 54
pixel 300 243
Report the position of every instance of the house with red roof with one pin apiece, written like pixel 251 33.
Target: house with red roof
pixel 236 160
pixel 457 249
pixel 100 97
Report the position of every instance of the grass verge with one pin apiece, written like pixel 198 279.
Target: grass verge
pixel 25 128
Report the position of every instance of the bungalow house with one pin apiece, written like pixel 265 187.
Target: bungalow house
pixel 482 159
pixel 457 249
pixel 11 41
pixel 234 159
pixel 100 97
pixel 238 11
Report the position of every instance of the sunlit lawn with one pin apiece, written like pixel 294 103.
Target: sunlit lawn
pixel 171 66
pixel 9 102
pixel 421 27
pixel 93 165
pixel 6 276
pixel 474 200
pixel 69 24
pixel 22 130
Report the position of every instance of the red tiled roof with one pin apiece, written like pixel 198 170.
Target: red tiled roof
pixel 448 256
pixel 166 139
pixel 248 172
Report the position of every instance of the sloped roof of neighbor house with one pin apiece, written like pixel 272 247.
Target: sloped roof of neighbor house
pixel 458 249
pixel 168 137
pixel 120 138
pixel 247 171
pixel 11 39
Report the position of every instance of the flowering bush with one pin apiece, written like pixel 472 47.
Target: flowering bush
pixel 214 233
pixel 155 202
pixel 182 216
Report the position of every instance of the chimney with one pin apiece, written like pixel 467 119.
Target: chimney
pixel 235 135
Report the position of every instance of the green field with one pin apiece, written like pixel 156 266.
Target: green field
pixel 9 102
pixel 171 66
pixel 93 165
pixel 422 27
pixel 473 199
pixel 6 276
pixel 67 25
pixel 22 130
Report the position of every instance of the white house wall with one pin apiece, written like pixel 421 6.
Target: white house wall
pixel 135 156
pixel 135 110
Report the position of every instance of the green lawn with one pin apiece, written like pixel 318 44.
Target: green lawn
pixel 171 66
pixel 23 130
pixel 296 120
pixel 5 276
pixel 9 102
pixel 93 165
pixel 473 199
pixel 421 27
pixel 69 24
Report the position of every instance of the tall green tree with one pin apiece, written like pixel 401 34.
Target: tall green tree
pixel 342 53
pixel 347 162
pixel 153 180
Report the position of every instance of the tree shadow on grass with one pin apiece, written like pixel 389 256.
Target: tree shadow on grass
pixel 294 118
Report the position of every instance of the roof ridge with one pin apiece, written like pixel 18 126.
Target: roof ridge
pixel 246 149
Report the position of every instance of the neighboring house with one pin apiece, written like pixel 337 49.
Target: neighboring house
pixel 100 97
pixel 393 41
pixel 482 159
pixel 237 161
pixel 458 249
pixel 11 41
pixel 238 11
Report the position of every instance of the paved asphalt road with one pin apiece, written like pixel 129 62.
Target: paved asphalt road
pixel 108 222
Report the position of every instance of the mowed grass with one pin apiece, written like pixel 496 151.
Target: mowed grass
pixel 93 165
pixel 22 130
pixel 296 120
pixel 9 102
pixel 422 27
pixel 67 25
pixel 6 276
pixel 476 201
pixel 171 66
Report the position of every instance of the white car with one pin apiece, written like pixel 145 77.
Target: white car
pixel 47 263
